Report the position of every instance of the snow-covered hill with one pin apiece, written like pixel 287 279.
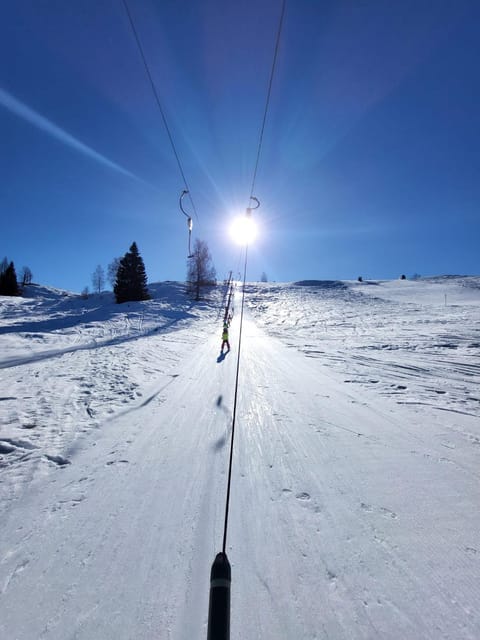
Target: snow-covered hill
pixel 355 486
pixel 418 341
pixel 68 364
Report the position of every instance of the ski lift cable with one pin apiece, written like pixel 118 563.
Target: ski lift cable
pixel 267 103
pixel 220 575
pixel 249 210
pixel 234 416
pixel 159 104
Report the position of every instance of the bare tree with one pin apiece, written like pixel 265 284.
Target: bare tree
pixel 112 271
pixel 200 269
pixel 26 276
pixel 98 279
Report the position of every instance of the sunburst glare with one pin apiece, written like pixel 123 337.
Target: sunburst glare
pixel 243 229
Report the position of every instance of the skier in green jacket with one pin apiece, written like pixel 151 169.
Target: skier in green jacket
pixel 225 337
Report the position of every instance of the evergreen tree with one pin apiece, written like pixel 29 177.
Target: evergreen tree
pixel 8 281
pixel 131 282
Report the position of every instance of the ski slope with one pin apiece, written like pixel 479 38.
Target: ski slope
pixel 355 489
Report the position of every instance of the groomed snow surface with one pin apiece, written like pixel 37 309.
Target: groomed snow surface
pixel 355 505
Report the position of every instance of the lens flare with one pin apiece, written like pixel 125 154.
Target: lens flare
pixel 243 230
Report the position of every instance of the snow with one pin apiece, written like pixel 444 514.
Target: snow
pixel 355 488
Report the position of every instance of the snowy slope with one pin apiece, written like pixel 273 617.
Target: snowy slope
pixel 111 355
pixel 418 341
pixel 354 508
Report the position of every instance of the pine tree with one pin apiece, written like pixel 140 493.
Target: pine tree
pixel 131 282
pixel 8 281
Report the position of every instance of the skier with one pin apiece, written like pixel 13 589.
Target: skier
pixel 225 337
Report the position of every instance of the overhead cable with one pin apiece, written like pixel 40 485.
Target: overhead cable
pixel 249 210
pixel 159 104
pixel 267 103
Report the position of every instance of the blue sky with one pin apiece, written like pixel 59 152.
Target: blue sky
pixel 370 164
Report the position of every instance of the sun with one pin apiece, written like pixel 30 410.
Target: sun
pixel 243 230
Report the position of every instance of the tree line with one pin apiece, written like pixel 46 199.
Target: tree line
pixel 128 278
pixel 9 284
pixel 127 275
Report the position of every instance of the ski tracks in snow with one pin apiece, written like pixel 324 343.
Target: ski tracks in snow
pixel 355 540
pixel 122 540
pixel 352 516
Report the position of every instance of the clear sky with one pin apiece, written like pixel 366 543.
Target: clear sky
pixel 370 164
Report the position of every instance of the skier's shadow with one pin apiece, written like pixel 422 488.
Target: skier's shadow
pixel 222 355
pixel 221 442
